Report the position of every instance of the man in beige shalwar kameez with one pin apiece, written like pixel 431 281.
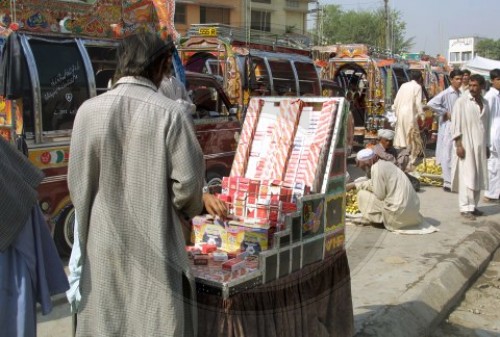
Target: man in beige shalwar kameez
pixel 470 131
pixel 135 168
pixel 408 106
pixel 388 196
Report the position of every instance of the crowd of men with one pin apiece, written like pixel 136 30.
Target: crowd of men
pixel 133 241
pixel 467 149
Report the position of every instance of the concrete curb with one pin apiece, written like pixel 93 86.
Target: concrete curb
pixel 427 302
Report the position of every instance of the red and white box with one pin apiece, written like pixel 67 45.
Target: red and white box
pixel 233 264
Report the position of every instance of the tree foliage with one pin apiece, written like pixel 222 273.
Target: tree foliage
pixel 367 27
pixel 489 48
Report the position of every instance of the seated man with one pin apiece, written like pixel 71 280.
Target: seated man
pixel 385 150
pixel 388 196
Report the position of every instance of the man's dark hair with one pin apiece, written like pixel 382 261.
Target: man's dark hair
pixel 466 71
pixel 478 78
pixel 416 75
pixel 456 72
pixel 141 54
pixel 495 73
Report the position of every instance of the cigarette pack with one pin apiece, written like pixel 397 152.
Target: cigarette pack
pixel 219 256
pixel 233 264
pixel 201 259
pixel 207 248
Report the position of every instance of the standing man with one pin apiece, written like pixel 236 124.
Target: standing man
pixel 493 98
pixel 136 168
pixel 465 81
pixel 443 104
pixel 469 130
pixel 30 268
pixel 408 106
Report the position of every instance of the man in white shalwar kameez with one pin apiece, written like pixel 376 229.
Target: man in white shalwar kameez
pixel 442 104
pixel 493 98
pixel 465 81
pixel 469 129
pixel 408 106
pixel 388 196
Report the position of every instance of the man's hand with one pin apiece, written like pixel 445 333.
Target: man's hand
pixel 460 152
pixel 214 206
pixel 446 116
pixel 350 186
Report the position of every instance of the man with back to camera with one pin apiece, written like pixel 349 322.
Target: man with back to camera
pixel 136 167
pixel 493 98
pixel 443 104
pixel 408 106
pixel 469 130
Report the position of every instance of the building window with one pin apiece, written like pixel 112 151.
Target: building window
pixel 214 15
pixel 261 21
pixel 180 13
pixel 466 55
pixel 454 57
pixel 262 1
pixel 292 3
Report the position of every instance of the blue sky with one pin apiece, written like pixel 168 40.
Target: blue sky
pixel 433 22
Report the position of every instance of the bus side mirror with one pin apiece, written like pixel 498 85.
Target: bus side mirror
pixel 233 110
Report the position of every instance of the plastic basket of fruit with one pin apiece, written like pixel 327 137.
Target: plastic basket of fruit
pixel 429 172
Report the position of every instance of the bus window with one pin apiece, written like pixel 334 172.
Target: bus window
pixel 63 82
pixel 25 104
pixel 308 79
pixel 260 85
pixel 104 62
pixel 284 81
pixel 215 67
pixel 400 76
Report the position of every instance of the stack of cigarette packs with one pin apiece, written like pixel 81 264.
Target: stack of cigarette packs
pixel 285 194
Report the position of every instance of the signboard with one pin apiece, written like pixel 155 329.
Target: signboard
pixel 63 82
pixel 207 31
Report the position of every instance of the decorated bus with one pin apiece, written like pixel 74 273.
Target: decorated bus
pixel 64 55
pixel 250 63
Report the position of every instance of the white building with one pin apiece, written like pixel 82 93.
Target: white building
pixel 461 50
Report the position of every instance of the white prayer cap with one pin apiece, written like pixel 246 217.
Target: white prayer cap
pixel 386 133
pixel 365 154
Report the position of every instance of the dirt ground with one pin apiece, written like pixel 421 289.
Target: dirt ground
pixel 479 312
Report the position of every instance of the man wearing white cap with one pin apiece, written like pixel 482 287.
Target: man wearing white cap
pixel 386 151
pixel 388 196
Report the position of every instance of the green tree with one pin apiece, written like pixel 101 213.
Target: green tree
pixel 367 27
pixel 489 48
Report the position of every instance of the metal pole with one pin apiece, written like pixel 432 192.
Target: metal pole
pixel 387 27
pixel 318 23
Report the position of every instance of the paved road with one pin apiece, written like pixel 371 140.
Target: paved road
pixel 402 285
pixel 478 314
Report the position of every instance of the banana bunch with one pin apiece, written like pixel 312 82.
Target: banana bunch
pixel 429 172
pixel 429 165
pixel 430 181
pixel 352 202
